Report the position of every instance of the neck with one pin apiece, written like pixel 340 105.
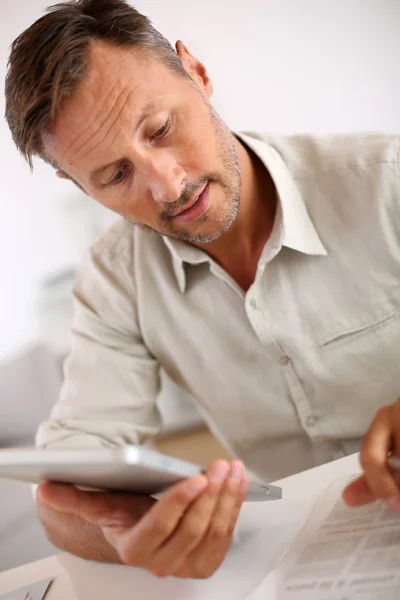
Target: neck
pixel 238 250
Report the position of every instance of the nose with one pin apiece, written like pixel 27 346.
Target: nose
pixel 163 176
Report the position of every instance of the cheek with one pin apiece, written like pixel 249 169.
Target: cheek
pixel 116 201
pixel 135 205
pixel 196 144
pixel 140 207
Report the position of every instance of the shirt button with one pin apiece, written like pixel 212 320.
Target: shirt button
pixel 253 303
pixel 310 421
pixel 284 361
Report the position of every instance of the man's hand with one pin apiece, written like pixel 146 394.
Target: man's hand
pixel 379 480
pixel 186 533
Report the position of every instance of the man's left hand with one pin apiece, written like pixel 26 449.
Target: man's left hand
pixel 379 481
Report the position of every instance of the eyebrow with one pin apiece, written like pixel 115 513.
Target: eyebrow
pixel 146 111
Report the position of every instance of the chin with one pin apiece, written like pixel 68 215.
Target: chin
pixel 203 235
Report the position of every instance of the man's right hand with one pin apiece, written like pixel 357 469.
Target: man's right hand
pixel 185 534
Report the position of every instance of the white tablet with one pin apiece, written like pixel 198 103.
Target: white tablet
pixel 130 468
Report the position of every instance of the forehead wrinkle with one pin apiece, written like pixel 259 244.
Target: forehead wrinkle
pixel 149 107
pixel 90 124
pixel 94 52
pixel 98 143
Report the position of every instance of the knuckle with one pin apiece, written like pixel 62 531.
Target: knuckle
pixel 182 497
pixel 369 458
pixel 203 572
pixel 193 529
pixel 184 572
pixel 129 555
pixel 160 525
pixel 160 571
pixel 201 569
pixel 219 531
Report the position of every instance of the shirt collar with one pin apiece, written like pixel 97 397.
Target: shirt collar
pixel 183 253
pixel 298 231
pixel 296 228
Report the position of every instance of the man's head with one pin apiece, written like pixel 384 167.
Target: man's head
pixel 96 91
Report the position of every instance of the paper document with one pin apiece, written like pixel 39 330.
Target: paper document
pixel 340 554
pixel 34 591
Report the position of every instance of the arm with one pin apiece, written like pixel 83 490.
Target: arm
pixel 111 383
pixel 108 397
pixel 379 481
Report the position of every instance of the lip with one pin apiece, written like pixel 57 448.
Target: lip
pixel 197 209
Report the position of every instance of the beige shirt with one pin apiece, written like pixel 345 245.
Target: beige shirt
pixel 289 374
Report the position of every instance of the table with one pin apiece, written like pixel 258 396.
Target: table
pixel 265 531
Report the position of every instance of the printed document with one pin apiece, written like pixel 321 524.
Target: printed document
pixel 341 553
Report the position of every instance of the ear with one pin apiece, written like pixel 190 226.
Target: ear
pixel 195 69
pixel 62 174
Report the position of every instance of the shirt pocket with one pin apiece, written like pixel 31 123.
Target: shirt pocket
pixel 357 332
pixel 357 370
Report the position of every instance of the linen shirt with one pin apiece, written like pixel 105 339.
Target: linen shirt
pixel 289 374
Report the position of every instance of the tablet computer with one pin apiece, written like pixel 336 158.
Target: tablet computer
pixel 129 468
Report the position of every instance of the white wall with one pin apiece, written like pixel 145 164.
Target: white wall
pixel 282 65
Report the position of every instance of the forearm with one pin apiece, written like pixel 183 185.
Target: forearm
pixel 72 534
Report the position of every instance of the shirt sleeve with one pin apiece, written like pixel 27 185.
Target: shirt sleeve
pixel 112 381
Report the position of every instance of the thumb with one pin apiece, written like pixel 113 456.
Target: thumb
pixel 358 493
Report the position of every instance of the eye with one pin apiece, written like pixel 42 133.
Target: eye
pixel 119 177
pixel 162 131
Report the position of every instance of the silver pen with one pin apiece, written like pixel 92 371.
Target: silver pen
pixel 263 491
pixel 394 462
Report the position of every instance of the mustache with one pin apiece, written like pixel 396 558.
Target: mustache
pixel 188 192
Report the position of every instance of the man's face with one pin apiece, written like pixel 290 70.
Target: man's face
pixel 145 143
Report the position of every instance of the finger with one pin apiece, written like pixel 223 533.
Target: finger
pixel 358 493
pixel 229 503
pixel 193 525
pixel 209 555
pixel 141 542
pixel 374 453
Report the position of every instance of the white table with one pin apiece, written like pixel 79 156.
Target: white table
pixel 265 531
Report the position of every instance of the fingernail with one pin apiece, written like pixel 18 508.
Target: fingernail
pixel 236 472
pixel 197 485
pixel 219 471
pixel 394 503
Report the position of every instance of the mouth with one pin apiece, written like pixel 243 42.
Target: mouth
pixel 197 208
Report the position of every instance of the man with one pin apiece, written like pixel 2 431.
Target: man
pixel 262 272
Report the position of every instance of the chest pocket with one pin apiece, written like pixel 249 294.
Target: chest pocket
pixel 363 332
pixel 360 369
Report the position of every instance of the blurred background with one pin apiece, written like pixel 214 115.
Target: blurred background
pixel 277 65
